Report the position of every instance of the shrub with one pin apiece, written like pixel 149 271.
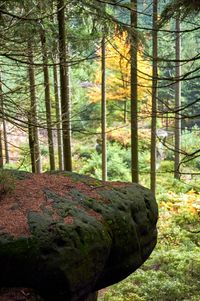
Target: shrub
pixel 190 142
pixel 118 161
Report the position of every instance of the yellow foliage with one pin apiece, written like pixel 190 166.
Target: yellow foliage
pixel 122 135
pixel 118 72
pixel 189 202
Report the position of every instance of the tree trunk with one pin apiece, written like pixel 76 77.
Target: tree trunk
pixel 58 115
pixel 103 110
pixel 1 120
pixel 134 94
pixel 32 117
pixel 154 97
pixel 4 134
pixel 177 102
pixel 5 138
pixel 64 87
pixel 167 116
pixel 31 143
pixel 47 100
pixel 125 111
pixel 1 150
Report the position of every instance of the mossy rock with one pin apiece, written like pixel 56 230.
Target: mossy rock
pixel 66 235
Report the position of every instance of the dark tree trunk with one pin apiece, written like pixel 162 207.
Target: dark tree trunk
pixel 1 120
pixel 103 110
pixel 5 138
pixel 31 143
pixel 1 150
pixel 177 102
pixel 134 94
pixel 32 117
pixel 47 100
pixel 64 87
pixel 167 116
pixel 58 115
pixel 154 97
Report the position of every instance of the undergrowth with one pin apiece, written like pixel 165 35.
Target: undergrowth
pixel 172 271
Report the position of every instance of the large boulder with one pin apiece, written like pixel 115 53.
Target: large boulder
pixel 66 235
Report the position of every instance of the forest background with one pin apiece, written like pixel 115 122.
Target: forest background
pixel 111 89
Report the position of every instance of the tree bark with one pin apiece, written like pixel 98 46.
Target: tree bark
pixel 64 87
pixel 134 94
pixel 4 134
pixel 154 97
pixel 47 100
pixel 125 111
pixel 1 150
pixel 103 110
pixel 177 102
pixel 31 143
pixel 5 138
pixel 58 115
pixel 1 121
pixel 32 116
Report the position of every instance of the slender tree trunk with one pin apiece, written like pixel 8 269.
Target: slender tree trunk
pixel 1 150
pixel 167 116
pixel 47 100
pixel 58 115
pixel 103 110
pixel 162 118
pixel 4 135
pixel 154 97
pixel 1 121
pixel 38 162
pixel 125 111
pixel 177 102
pixel 32 117
pixel 134 94
pixel 31 143
pixel 5 138
pixel 64 87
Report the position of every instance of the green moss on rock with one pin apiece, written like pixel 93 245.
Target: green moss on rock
pixel 77 243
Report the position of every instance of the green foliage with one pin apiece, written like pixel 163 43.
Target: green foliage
pixel 179 8
pixel 144 161
pixel 167 166
pixel 172 271
pixel 190 144
pixel 118 160
pixel 118 163
pixel 84 113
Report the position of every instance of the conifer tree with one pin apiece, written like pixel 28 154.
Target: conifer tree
pixel 103 110
pixel 1 120
pixel 64 86
pixel 47 98
pixel 177 101
pixel 154 95
pixel 32 115
pixel 134 94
